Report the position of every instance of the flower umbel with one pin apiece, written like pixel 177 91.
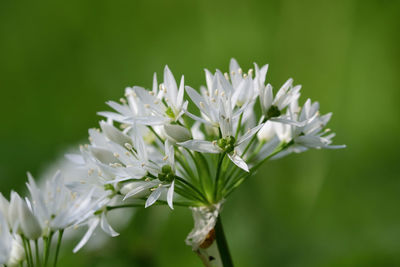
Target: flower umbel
pixel 156 149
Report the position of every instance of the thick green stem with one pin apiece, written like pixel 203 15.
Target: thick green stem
pixel 222 244
pixel 60 235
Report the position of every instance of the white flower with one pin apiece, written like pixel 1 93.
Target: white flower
pixel 57 207
pixel 5 240
pixel 311 133
pixel 272 107
pixel 227 143
pixel 164 183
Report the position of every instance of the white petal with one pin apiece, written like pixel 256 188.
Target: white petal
pixel 92 226
pixel 112 115
pixel 114 134
pixel 141 186
pixel 201 146
pixel 149 120
pixel 169 152
pixel 180 93
pixel 249 134
pixel 238 161
pixel 170 195
pixel 153 197
pixel 75 158
pixel 106 226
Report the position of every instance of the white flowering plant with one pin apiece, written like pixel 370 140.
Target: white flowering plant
pixel 169 145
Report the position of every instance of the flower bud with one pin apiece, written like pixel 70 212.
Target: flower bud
pixel 17 254
pixel 21 215
pixel 177 133
pixel 29 224
pixel 267 132
pixel 114 134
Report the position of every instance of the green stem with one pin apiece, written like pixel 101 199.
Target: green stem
pixel 60 235
pixel 192 187
pixel 156 134
pixel 238 126
pixel 249 145
pixel 280 148
pixel 28 244
pixel 222 244
pixel 217 175
pixel 37 252
pixel 47 245
pixel 141 205
pixel 26 251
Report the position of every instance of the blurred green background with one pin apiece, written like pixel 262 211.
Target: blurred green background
pixel 61 60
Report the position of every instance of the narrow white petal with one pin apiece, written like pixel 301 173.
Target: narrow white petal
pixel 170 195
pixel 75 158
pixel 249 134
pixel 92 226
pixel 180 93
pixel 153 197
pixel 106 226
pixel 238 161
pixel 201 146
pixel 112 115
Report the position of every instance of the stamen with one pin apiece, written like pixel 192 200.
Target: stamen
pixel 128 146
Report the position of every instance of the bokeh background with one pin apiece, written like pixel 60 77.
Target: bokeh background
pixel 61 60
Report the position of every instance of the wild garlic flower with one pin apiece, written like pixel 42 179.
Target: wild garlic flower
pixel 154 149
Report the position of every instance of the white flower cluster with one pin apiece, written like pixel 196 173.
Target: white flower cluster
pixel 155 148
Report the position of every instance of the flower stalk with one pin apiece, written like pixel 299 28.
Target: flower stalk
pixel 222 244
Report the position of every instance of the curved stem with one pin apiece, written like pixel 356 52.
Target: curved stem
pixel 222 244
